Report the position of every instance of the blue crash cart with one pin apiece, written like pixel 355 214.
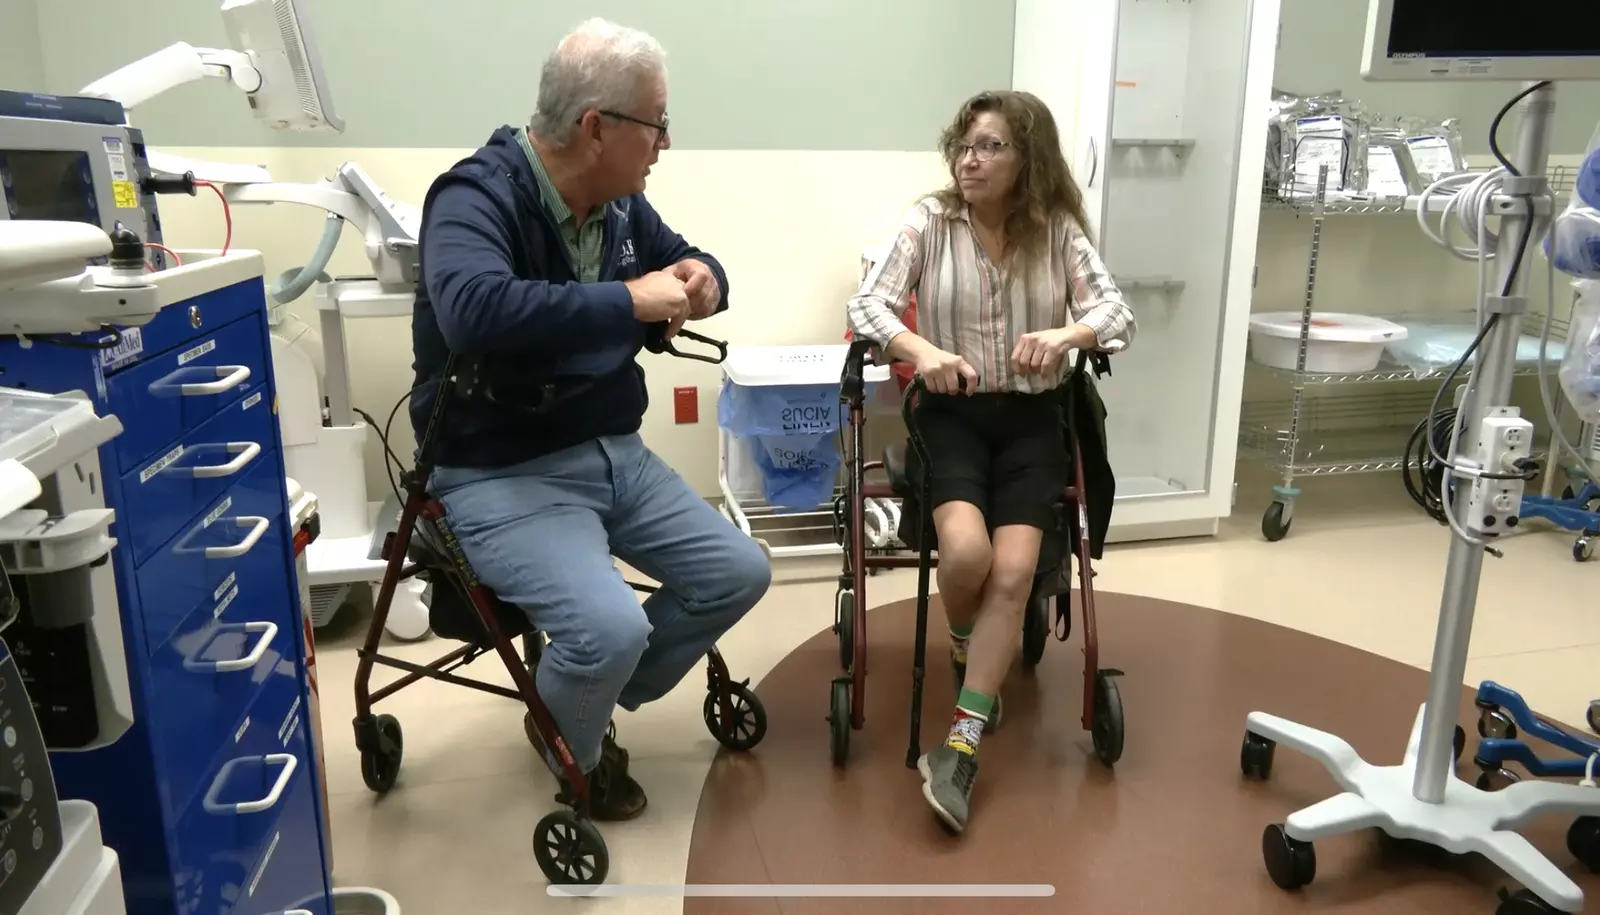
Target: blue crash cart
pixel 212 799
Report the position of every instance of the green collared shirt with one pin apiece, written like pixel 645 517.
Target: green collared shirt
pixel 586 244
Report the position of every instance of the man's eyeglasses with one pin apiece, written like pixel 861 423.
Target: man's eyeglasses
pixel 661 126
pixel 984 150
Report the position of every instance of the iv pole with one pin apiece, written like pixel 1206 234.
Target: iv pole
pixel 1421 798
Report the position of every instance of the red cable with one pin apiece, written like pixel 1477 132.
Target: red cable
pixel 165 250
pixel 227 213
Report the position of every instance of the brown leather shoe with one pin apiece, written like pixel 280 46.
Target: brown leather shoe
pixel 613 794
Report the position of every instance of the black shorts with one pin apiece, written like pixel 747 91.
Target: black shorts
pixel 1005 453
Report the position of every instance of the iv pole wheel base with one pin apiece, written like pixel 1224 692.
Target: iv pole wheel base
pixel 1291 863
pixel 569 850
pixel 1255 756
pixel 1275 522
pixel 1523 902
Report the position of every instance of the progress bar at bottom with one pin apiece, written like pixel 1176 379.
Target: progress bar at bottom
pixel 811 890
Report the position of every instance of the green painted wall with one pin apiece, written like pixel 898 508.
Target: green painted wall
pixel 21 64
pixel 745 74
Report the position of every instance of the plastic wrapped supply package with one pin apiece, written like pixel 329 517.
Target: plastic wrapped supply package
pixel 1435 148
pixel 1580 366
pixel 1573 245
pixel 1324 131
pixel 1390 171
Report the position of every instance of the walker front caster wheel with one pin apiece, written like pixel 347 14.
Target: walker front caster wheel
pixel 1291 863
pixel 1255 756
pixel 569 850
pixel 1107 730
pixel 1583 549
pixel 839 722
pixel 1523 902
pixel 381 752
pixel 749 720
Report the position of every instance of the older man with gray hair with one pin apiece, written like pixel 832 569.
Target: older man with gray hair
pixel 543 264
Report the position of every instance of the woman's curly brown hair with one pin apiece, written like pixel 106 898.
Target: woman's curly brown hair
pixel 1045 189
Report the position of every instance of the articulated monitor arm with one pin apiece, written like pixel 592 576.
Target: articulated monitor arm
pixel 170 67
pixel 389 229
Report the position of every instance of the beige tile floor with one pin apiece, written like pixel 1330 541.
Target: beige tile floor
pixel 1361 566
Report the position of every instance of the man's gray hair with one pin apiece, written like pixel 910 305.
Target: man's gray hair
pixel 598 65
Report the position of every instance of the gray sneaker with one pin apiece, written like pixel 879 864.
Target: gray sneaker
pixel 947 776
pixel 958 664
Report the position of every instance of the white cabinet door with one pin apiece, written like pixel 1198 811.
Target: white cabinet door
pixel 1065 53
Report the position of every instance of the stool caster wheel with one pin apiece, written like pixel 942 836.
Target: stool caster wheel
pixel 1593 715
pixel 1494 779
pixel 1107 731
pixel 1583 840
pixel 381 755
pixel 570 851
pixel 749 724
pixel 1495 723
pixel 1255 756
pixel 839 722
pixel 1291 863
pixel 1523 902
pixel 1583 549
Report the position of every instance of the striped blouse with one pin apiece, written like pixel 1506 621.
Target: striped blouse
pixel 967 307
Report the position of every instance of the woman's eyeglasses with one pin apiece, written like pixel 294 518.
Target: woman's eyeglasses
pixel 984 150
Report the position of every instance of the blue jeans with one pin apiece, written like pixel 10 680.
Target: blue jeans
pixel 542 534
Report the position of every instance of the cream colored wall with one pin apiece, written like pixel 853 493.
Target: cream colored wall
pixel 788 226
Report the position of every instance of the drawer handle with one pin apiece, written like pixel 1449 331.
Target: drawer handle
pixel 269 631
pixel 228 378
pixel 246 451
pixel 243 546
pixel 287 760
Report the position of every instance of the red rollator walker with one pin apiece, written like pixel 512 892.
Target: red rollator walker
pixel 1102 703
pixel 566 844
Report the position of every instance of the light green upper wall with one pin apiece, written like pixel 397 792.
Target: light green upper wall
pixel 21 64
pixel 744 74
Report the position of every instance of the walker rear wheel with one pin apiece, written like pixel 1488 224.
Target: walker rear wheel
pixel 845 610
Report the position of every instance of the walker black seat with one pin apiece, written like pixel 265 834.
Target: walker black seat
pixel 451 614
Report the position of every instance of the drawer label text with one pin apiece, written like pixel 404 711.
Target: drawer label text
pixel 146 474
pixel 286 729
pixel 239 734
pixel 223 605
pixel 226 584
pixel 262 869
pixel 252 400
pixel 190 355
pixel 217 512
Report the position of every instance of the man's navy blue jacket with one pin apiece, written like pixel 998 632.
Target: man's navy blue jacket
pixel 497 285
